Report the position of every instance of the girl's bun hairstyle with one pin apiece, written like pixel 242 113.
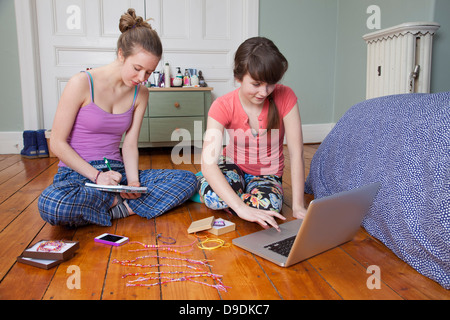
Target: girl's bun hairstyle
pixel 137 32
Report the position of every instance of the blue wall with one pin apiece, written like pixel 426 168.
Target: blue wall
pixel 323 41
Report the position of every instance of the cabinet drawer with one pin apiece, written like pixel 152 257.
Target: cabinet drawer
pixel 144 134
pixel 161 129
pixel 176 104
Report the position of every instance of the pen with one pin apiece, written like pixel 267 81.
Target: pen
pixel 107 163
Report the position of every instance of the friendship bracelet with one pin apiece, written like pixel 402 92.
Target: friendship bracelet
pixel 172 240
pixel 201 245
pixel 50 246
pixel 193 267
pixel 172 272
pixel 165 247
pixel 157 266
pixel 219 286
pixel 221 243
pixel 186 275
pixel 141 279
pixel 96 177
pixel 131 262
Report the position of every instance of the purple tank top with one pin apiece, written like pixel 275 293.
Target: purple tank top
pixel 97 133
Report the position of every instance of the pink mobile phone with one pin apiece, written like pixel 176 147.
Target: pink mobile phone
pixel 111 239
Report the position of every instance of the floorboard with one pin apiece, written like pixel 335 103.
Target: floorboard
pixel 338 274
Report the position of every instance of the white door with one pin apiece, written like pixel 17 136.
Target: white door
pixel 201 34
pixel 75 35
pixel 204 35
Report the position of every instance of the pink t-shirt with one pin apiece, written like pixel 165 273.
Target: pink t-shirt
pixel 255 153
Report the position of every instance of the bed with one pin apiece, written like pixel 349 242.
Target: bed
pixel 402 141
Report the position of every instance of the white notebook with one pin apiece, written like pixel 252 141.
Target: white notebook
pixel 118 188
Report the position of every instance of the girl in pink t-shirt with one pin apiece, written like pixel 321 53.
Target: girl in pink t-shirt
pixel 246 178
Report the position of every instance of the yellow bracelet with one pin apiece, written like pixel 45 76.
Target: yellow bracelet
pixel 221 243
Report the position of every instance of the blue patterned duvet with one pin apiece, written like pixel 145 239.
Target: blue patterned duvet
pixel 402 141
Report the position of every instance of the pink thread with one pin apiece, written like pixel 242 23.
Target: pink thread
pixel 166 247
pixel 188 275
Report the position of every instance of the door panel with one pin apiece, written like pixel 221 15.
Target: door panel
pixel 75 35
pixel 201 34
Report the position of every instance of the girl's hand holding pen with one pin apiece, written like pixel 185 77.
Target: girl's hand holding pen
pixel 118 177
pixel 109 178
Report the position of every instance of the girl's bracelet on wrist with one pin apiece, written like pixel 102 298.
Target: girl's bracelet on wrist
pixel 96 177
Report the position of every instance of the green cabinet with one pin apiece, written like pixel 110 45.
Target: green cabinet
pixel 174 115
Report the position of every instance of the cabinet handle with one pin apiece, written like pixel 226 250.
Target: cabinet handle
pixel 177 105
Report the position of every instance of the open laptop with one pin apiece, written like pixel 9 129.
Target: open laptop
pixel 329 222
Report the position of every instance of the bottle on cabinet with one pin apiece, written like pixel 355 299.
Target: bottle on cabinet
pixel 167 75
pixel 194 78
pixel 186 78
pixel 178 80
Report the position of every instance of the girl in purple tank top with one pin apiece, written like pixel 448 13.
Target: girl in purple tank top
pixel 95 110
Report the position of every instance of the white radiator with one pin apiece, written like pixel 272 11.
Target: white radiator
pixel 399 59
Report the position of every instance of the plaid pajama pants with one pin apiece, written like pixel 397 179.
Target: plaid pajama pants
pixel 68 202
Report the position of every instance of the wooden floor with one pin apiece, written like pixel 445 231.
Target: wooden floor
pixel 340 273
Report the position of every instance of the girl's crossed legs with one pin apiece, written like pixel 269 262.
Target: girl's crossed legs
pixel 261 192
pixel 69 202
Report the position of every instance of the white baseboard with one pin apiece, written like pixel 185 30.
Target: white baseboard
pixel 11 142
pixel 316 133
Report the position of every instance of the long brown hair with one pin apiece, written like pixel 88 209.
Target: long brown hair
pixel 136 32
pixel 261 59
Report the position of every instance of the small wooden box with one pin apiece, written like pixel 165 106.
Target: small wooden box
pixel 201 225
pixel 66 252
pixel 219 230
pixel 48 259
pixel 39 263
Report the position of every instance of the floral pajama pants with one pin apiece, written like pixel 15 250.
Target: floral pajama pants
pixel 261 192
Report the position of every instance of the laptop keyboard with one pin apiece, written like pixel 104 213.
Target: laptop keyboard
pixel 282 247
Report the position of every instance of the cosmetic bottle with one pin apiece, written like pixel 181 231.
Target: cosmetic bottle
pixel 186 78
pixel 167 75
pixel 194 78
pixel 178 80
